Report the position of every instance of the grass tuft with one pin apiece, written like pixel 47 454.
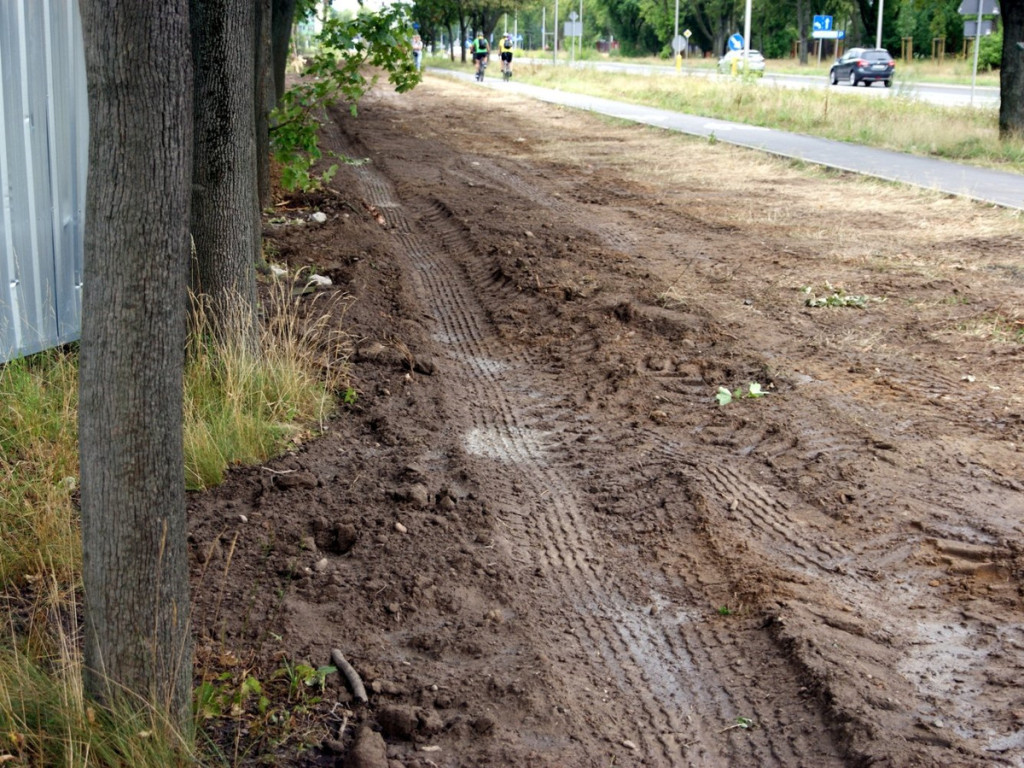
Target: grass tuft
pixel 45 720
pixel 244 403
pixel 39 464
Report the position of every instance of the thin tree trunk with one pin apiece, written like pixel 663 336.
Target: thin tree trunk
pixel 135 566
pixel 282 18
pixel 1011 73
pixel 265 99
pixel 801 23
pixel 225 208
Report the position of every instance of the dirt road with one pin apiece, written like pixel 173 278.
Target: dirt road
pixel 539 537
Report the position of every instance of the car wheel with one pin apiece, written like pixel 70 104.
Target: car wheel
pixel 832 78
pixel 853 79
pixel 888 83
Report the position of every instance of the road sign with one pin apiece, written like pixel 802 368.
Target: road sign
pixel 573 29
pixel 736 42
pixel 678 43
pixel 970 8
pixel 832 34
pixel 822 28
pixel 687 33
pixel 971 26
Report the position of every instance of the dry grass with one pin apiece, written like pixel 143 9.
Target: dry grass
pixel 902 124
pixel 241 406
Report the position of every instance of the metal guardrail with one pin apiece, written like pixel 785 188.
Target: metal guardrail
pixel 43 162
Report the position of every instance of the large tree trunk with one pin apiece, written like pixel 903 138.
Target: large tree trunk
pixel 1011 73
pixel 282 18
pixel 225 208
pixel 135 566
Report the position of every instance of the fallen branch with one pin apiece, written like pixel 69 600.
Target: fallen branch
pixel 355 684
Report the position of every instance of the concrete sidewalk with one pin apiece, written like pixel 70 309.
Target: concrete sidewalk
pixel 996 187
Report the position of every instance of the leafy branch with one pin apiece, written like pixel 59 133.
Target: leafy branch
pixel 347 48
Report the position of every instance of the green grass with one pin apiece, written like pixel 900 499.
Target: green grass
pixel 240 408
pixel 902 124
pixel 38 464
pixel 46 721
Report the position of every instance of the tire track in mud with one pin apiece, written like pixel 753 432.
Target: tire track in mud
pixel 938 655
pixel 507 181
pixel 672 665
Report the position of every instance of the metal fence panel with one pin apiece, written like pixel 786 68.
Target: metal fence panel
pixel 43 163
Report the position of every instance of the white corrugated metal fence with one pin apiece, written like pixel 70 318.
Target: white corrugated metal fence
pixel 43 162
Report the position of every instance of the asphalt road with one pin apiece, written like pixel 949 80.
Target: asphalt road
pixel 988 186
pixel 933 93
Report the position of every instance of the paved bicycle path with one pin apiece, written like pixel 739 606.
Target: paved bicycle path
pixel 981 184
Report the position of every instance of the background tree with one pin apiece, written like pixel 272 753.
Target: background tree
pixel 135 566
pixel 225 209
pixel 264 97
pixel 282 18
pixel 1011 73
pixel 715 20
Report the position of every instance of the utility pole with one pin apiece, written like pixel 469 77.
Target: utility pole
pixel 554 47
pixel 878 34
pixel 675 34
pixel 746 37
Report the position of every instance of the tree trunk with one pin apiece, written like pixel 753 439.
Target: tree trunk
pixel 225 208
pixel 1011 73
pixel 264 99
pixel 282 18
pixel 801 22
pixel 135 566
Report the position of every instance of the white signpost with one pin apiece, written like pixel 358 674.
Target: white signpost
pixel 979 8
pixel 573 29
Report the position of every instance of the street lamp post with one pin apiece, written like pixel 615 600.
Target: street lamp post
pixel 746 36
pixel 676 33
pixel 878 34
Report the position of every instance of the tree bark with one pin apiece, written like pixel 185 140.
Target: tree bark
pixel 264 99
pixel 135 566
pixel 801 22
pixel 225 207
pixel 1011 73
pixel 282 18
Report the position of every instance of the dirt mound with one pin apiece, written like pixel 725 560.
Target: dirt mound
pixel 539 538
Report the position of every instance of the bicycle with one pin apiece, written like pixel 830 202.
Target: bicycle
pixel 506 69
pixel 480 67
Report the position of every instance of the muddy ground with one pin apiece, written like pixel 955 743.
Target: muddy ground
pixel 538 537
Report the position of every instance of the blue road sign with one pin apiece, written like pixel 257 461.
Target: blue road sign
pixel 822 23
pixel 736 42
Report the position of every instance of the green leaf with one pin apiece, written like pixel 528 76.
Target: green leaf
pixel 724 396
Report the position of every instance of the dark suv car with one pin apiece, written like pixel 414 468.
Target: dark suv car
pixel 863 65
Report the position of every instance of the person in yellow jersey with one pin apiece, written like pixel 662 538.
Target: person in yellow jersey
pixel 505 50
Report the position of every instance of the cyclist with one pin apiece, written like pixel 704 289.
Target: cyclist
pixel 481 50
pixel 505 50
